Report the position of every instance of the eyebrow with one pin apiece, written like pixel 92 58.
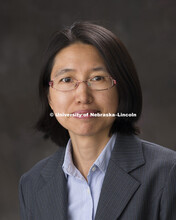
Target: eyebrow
pixel 99 69
pixel 60 72
pixel 66 70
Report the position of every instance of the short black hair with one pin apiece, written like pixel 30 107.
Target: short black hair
pixel 119 65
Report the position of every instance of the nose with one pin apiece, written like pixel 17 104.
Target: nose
pixel 83 94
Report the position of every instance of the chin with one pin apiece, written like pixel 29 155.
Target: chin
pixel 89 130
pixel 84 130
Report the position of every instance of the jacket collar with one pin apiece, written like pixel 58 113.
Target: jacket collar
pixel 128 153
pixel 119 186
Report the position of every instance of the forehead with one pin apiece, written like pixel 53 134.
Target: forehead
pixel 78 50
pixel 78 56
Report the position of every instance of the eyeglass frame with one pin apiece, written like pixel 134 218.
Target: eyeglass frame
pixel 51 83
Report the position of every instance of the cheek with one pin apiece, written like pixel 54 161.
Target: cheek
pixel 110 101
pixel 59 102
pixel 114 99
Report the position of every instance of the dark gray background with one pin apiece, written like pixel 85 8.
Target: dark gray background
pixel 147 28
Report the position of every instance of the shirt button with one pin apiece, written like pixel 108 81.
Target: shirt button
pixel 93 169
pixel 88 190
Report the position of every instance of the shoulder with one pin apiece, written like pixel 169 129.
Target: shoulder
pixel 157 156
pixel 159 173
pixel 46 166
pixel 158 151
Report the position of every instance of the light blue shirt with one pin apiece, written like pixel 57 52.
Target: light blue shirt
pixel 83 196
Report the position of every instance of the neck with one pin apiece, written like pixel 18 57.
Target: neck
pixel 86 149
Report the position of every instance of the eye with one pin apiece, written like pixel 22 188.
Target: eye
pixel 98 78
pixel 66 80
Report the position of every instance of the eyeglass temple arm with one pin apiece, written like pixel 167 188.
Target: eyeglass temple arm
pixel 50 83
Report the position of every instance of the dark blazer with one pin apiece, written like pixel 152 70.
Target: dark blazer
pixel 140 184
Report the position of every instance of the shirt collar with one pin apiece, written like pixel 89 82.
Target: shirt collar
pixel 101 162
pixel 68 165
pixel 103 159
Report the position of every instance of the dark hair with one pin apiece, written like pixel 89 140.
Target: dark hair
pixel 119 65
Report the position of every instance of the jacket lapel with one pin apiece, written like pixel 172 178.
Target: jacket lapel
pixel 52 197
pixel 119 186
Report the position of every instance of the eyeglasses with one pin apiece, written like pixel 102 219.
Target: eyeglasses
pixel 98 83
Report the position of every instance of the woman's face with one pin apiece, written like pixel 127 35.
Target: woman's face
pixel 82 61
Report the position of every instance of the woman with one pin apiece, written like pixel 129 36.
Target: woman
pixel 101 170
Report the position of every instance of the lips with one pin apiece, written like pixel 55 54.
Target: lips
pixel 83 114
pixel 85 111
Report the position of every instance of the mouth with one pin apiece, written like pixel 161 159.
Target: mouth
pixel 85 114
